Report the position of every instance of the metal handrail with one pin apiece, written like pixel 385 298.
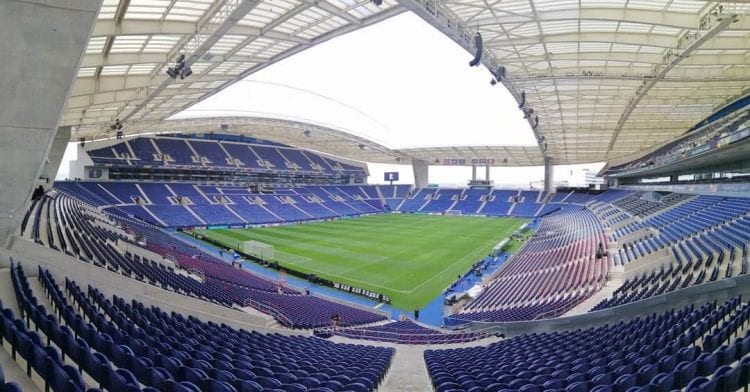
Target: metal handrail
pixel 267 308
pixel 405 337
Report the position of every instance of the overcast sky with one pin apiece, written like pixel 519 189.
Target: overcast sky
pixel 401 83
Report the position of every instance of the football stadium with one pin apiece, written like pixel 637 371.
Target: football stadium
pixel 374 195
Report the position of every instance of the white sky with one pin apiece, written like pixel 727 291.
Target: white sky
pixel 404 84
pixel 401 83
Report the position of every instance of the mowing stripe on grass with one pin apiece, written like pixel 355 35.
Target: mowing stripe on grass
pixel 411 258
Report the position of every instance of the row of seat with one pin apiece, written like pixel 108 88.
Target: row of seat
pixel 652 353
pixel 188 205
pixel 194 153
pixel 706 238
pixel 556 269
pixel 221 283
pixel 134 348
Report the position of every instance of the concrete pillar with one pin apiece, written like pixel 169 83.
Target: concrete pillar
pixel 487 173
pixel 42 45
pixel 473 172
pixel 421 172
pixel 549 174
pixel 52 163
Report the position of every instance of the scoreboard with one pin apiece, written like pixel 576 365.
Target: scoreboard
pixel 390 176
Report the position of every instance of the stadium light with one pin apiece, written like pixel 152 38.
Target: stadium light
pixel 186 72
pixel 179 69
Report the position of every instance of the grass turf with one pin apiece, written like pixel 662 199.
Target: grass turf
pixel 411 258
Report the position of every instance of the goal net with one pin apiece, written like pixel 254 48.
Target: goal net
pixel 258 249
pixel 453 212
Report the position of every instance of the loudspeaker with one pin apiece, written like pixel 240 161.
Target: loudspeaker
pixel 478 55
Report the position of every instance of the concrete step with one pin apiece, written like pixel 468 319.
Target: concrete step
pixel 7 294
pixel 604 293
pixel 15 372
pixel 408 371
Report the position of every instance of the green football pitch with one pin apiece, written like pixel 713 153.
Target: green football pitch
pixel 410 258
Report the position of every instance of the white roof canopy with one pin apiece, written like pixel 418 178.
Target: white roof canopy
pixel 123 73
pixel 606 78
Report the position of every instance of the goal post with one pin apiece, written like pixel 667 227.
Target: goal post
pixel 453 212
pixel 258 249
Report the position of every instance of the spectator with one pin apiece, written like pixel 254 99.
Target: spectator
pixel 38 193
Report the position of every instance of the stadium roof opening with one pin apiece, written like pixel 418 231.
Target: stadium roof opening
pixel 402 91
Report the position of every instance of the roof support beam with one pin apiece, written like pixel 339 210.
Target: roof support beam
pixel 377 18
pixel 333 10
pixel 122 8
pixel 283 18
pixel 686 45
pixel 107 28
pixel 645 39
pixel 204 44
pixel 677 20
pixel 630 57
pixel 635 78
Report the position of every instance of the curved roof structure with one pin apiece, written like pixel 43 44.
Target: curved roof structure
pixel 478 155
pixel 342 143
pixel 123 72
pixel 294 133
pixel 606 78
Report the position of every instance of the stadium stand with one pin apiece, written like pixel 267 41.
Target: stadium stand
pixel 129 347
pixel 418 200
pixel 471 201
pixel 556 270
pixel 706 238
pixel 701 216
pixel 700 140
pixel 91 236
pixel 526 204
pixel 219 153
pixel 632 277
pixel 657 352
pixel 186 205
pixel 498 203
pixel 443 200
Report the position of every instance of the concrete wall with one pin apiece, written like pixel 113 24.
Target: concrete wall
pixel 56 152
pixel 719 290
pixel 42 45
pixel 741 189
pixel 549 175
pixel 421 173
pixel 78 166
